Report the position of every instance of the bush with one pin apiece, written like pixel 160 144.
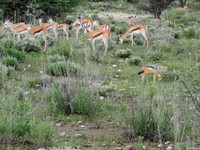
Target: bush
pixel 16 123
pixel 2 80
pixel 19 55
pixel 62 68
pixel 169 77
pixel 105 90
pixel 189 33
pixel 34 83
pixel 6 70
pixel 135 61
pixel 10 61
pixel 85 105
pixel 123 53
pixel 198 66
pixel 60 97
pixel 41 133
pixel 28 45
pixel 55 58
pixel 63 49
pixel 155 55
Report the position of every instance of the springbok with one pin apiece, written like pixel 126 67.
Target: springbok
pixel 50 25
pixel 64 27
pixel 86 24
pixel 17 29
pixel 137 29
pixel 39 30
pixel 100 34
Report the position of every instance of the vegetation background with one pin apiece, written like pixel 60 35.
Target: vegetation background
pixel 72 97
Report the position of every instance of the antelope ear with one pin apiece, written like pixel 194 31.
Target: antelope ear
pixel 79 17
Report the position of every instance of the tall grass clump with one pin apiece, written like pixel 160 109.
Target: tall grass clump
pixel 63 49
pixel 85 105
pixel 62 68
pixel 189 33
pixel 69 98
pixel 10 61
pixel 157 122
pixel 19 55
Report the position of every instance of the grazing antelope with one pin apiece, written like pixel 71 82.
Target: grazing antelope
pixel 99 34
pixel 86 24
pixel 62 26
pixel 156 70
pixel 137 29
pixel 50 25
pixel 39 30
pixel 17 29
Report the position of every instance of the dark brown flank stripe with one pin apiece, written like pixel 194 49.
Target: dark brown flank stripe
pixel 37 31
pixel 97 34
pixel 150 67
pixel 135 29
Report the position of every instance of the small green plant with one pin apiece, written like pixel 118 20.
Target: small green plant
pixel 85 105
pixel 123 53
pixel 189 33
pixel 34 83
pixel 155 55
pixel 62 68
pixel 10 61
pixel 28 45
pixel 198 58
pixel 19 55
pixel 169 77
pixel 138 146
pixel 56 58
pixel 105 90
pixel 135 60
pixel 41 133
pixel 63 49
pixel 2 80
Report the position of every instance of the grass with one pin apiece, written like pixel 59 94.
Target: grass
pixel 106 96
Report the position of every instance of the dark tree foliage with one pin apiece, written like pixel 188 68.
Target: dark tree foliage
pixel 155 7
pixel 18 9
pixel 183 3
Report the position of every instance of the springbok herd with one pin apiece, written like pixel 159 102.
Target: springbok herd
pixel 91 28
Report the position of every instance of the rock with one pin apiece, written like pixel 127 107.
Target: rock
pixel 62 134
pixel 79 123
pixel 117 148
pixel 77 135
pixel 128 147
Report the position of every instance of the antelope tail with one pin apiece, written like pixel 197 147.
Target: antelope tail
pixel 140 72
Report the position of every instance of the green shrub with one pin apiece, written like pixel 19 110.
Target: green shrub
pixel 56 58
pixel 63 49
pixel 10 61
pixel 2 79
pixel 138 146
pixel 19 55
pixel 41 133
pixel 169 77
pixel 28 45
pixel 34 83
pixel 6 70
pixel 123 53
pixel 198 58
pixel 135 61
pixel 155 55
pixel 189 33
pixel 85 105
pixel 16 123
pixel 105 90
pixel 62 68
pixel 198 66
pixel 60 97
